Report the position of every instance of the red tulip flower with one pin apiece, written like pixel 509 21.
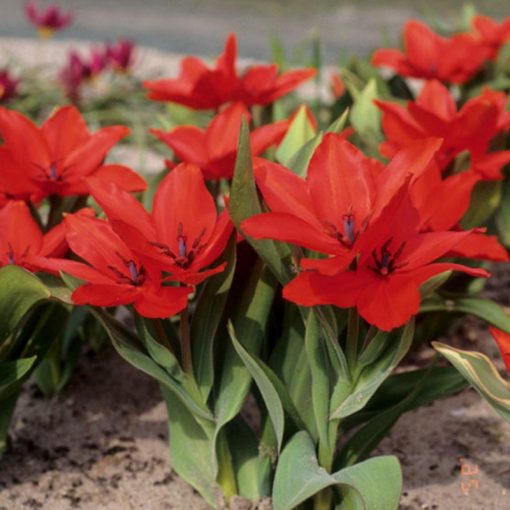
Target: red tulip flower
pixel 441 204
pixel 214 149
pixel 183 235
pixel 8 86
pixel 395 259
pixel 491 33
pixel 54 159
pixel 21 239
pixel 503 341
pixel 201 87
pixel 430 56
pixel 434 114
pixel 330 210
pixel 113 274
pixel 49 20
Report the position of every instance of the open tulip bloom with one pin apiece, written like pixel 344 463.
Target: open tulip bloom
pixel 201 87
pixel 288 265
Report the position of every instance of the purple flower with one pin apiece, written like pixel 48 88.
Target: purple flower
pixel 8 86
pixel 47 20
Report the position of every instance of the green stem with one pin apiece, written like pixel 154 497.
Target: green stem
pixel 55 214
pixel 161 334
pixel 187 363
pixel 322 500
pixel 352 337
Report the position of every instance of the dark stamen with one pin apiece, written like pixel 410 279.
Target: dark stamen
pixel 385 262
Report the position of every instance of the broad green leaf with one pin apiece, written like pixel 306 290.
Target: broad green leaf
pixel 190 449
pixel 484 309
pixel 244 202
pixel 482 374
pixel 398 394
pixel 265 385
pixel 301 159
pixel 374 365
pixel 13 371
pixel 503 215
pixel 299 133
pixel 485 199
pixel 289 361
pixel 374 484
pixel 249 314
pixel 338 125
pixel 249 465
pixel 365 116
pixel 19 292
pixel 319 369
pixel 206 320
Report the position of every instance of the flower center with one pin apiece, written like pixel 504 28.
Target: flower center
pixel 184 256
pixel 136 273
pixel 349 235
pixel 385 262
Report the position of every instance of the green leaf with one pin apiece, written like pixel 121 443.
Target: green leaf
pixel 374 366
pixel 375 484
pixel 503 215
pixel 484 309
pixel 244 202
pixel 206 320
pixel 13 371
pixel 301 159
pixel 19 292
pixel 365 116
pixel 485 199
pixel 299 133
pixel 250 315
pixel 265 385
pixel 482 374
pixel 339 124
pixel 317 358
pixel 250 467
pixel 398 394
pixel 190 449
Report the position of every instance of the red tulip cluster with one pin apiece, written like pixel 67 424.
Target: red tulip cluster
pixel 454 60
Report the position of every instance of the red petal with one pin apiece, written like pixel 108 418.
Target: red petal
pixel 481 246
pixel 88 157
pixel 503 340
pixel 436 98
pixel 290 229
pixel 162 302
pixel 65 131
pixel 122 176
pixel 20 234
pixel 284 191
pixel 182 201
pixel 264 137
pixel 105 295
pixel 340 183
pixel 187 142
pixel 23 138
